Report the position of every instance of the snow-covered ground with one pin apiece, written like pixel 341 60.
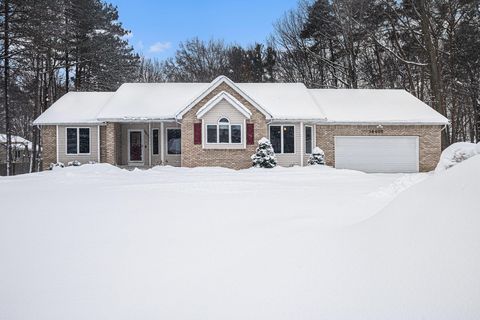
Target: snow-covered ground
pixel 98 242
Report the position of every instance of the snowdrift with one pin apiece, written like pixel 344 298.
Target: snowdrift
pixel 420 256
pixel 456 153
pixel 107 243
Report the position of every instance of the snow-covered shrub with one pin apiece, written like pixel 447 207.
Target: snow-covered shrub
pixel 74 163
pixel 92 162
pixel 317 157
pixel 457 153
pixel 56 165
pixel 264 156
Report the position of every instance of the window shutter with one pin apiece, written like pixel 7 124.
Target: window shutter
pixel 250 136
pixel 197 133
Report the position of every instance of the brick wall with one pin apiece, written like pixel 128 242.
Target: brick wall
pixel 112 135
pixel 49 140
pixel 194 155
pixel 429 139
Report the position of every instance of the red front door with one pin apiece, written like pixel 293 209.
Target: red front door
pixel 136 146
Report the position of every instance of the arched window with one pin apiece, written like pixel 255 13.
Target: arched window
pixel 224 132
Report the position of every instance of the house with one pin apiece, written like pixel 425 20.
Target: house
pixel 21 149
pixel 220 123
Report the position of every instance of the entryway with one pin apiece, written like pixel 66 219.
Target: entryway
pixel 135 146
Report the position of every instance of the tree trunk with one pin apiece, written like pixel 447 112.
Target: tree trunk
pixel 6 75
pixel 436 82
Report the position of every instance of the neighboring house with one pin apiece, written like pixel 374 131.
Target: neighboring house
pixel 220 123
pixel 21 149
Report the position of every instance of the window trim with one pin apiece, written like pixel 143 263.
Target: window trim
pixel 305 138
pixel 217 125
pixel 78 153
pixel 281 137
pixel 166 144
pixel 158 144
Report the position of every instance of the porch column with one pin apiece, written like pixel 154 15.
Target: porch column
pixel 110 143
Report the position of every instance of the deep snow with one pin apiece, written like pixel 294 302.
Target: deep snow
pixel 97 242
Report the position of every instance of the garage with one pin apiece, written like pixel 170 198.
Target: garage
pixel 377 153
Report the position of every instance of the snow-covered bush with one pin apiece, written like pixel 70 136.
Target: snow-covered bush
pixel 317 157
pixel 92 162
pixel 56 165
pixel 74 163
pixel 457 153
pixel 264 156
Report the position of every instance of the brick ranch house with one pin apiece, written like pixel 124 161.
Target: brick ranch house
pixel 220 123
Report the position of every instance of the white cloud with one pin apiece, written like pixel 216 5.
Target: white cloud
pixel 159 47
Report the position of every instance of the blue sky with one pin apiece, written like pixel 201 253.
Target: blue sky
pixel 159 26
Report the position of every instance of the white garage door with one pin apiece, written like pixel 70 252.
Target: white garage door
pixel 377 153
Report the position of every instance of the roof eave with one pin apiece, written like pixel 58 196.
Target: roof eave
pixel 393 123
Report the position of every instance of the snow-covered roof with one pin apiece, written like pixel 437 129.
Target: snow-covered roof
pixel 19 142
pixel 75 107
pixel 284 101
pixel 150 101
pixel 278 101
pixel 374 106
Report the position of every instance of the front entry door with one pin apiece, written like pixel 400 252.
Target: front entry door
pixel 135 146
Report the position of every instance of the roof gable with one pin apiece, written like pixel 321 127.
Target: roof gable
pixel 214 84
pixel 230 99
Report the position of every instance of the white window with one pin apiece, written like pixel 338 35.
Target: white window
pixel 308 139
pixel 174 141
pixel 155 141
pixel 282 138
pixel 224 132
pixel 78 140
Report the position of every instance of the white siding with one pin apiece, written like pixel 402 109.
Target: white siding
pixel 83 158
pixel 289 159
pixel 223 110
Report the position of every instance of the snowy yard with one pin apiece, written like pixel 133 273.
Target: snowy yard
pixel 98 242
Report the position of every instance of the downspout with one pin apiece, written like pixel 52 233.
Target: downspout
pixel 301 143
pixel 162 143
pixel 57 141
pixel 98 143
pixel 149 143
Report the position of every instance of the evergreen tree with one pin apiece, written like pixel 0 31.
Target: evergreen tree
pixel 264 156
pixel 317 157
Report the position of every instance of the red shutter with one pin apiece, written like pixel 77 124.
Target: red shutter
pixel 250 136
pixel 197 133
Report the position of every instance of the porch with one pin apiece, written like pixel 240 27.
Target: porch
pixel 143 145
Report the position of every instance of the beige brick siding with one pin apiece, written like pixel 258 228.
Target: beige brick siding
pixel 429 139
pixel 194 155
pixel 49 140
pixel 112 136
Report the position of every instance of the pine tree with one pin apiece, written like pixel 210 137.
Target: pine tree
pixel 264 156
pixel 317 157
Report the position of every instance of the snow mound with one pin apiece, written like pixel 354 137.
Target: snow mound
pixel 425 247
pixel 457 153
